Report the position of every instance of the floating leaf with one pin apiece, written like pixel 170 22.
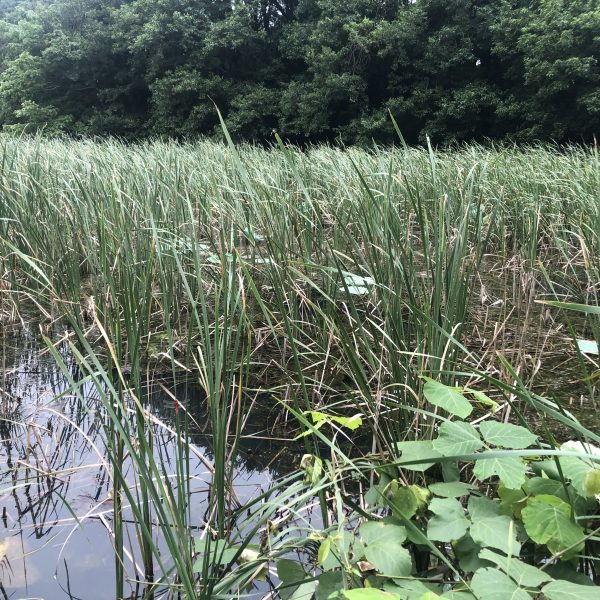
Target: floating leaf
pixel 449 522
pixel 510 469
pixel 448 398
pixel 383 548
pixel 547 520
pixel 506 435
pixel 492 584
pixel 457 438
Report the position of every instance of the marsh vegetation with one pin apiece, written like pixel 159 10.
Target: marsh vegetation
pixel 398 318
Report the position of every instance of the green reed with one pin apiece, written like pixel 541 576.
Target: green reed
pixel 334 279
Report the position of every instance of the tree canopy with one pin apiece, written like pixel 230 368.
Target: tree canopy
pixel 315 70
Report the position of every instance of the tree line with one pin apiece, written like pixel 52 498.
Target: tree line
pixel 314 70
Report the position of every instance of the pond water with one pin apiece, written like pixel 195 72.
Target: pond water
pixel 55 492
pixel 56 530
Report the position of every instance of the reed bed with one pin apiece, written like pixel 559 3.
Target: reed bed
pixel 323 279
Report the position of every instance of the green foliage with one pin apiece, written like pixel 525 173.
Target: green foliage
pixel 315 70
pixel 501 544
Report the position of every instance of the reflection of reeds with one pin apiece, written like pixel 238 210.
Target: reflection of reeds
pixel 333 279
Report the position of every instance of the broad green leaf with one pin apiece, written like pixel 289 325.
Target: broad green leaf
pixel 547 520
pixel 467 553
pixel 344 548
pixel 448 398
pixel 319 418
pixel 491 529
pixel 510 469
pixel 353 279
pixel 568 572
pixel 492 584
pixel 483 508
pixel 565 590
pixel 456 438
pixel 521 573
pixel 506 435
pixel 422 450
pixel 451 489
pixel 496 532
pixel 292 576
pixel 352 423
pixel 356 290
pixel 449 522
pixel 591 484
pixel 410 589
pixel 384 550
pixel 537 486
pixel 290 571
pixel 330 585
pixel 369 594
pixel 577 469
pixel 512 501
pixel 407 500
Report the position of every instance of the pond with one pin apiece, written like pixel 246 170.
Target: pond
pixel 55 490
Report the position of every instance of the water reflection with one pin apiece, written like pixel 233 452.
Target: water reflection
pixel 55 488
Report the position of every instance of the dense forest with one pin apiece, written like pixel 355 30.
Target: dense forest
pixel 314 70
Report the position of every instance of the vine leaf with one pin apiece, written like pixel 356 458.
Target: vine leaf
pixel 492 584
pixel 547 520
pixel 506 435
pixel 510 469
pixel 448 398
pixel 449 522
pixel 565 590
pixel 456 438
pixel 383 548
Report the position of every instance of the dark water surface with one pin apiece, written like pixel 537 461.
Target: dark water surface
pixel 44 551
